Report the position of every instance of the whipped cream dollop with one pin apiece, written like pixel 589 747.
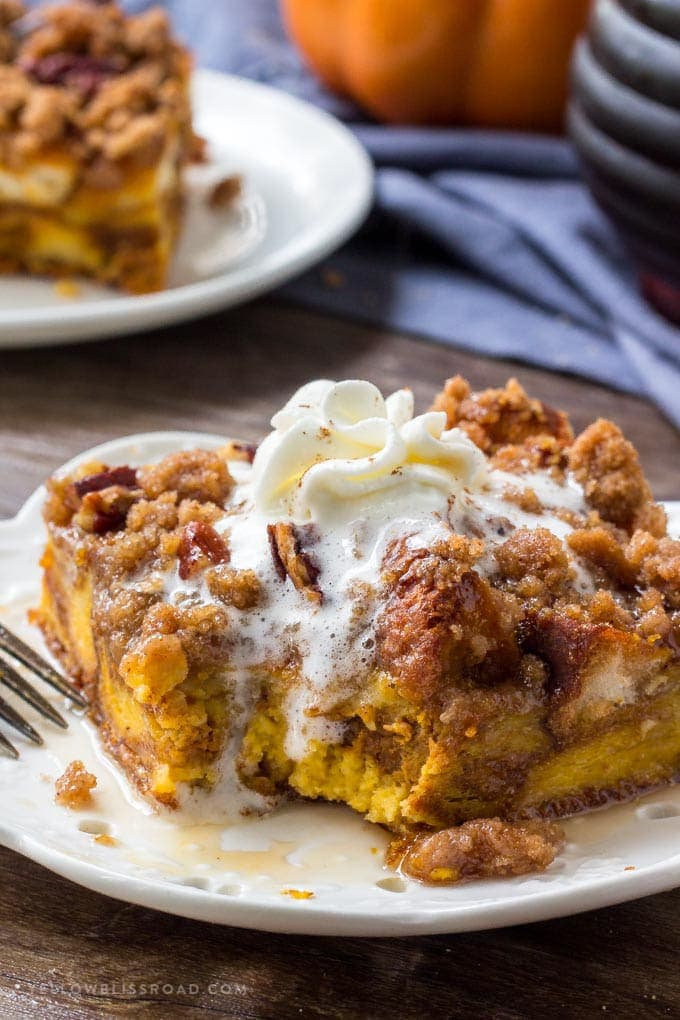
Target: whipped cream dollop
pixel 339 443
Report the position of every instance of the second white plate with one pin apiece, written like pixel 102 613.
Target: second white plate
pixel 308 187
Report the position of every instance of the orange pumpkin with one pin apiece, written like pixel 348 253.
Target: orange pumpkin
pixel 499 63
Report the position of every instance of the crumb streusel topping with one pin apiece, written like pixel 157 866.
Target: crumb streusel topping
pixel 85 73
pixel 553 543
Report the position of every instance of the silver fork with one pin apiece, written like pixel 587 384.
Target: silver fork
pixel 10 677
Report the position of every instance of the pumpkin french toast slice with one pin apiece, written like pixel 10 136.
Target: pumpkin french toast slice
pixel 519 661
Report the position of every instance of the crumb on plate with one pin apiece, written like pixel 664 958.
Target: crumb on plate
pixel 480 848
pixel 74 788
pixel 225 192
pixel 67 289
pixel 298 894
pixel 103 839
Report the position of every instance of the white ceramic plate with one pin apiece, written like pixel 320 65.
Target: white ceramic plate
pixel 308 187
pixel 243 875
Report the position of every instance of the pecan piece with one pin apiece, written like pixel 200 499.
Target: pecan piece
pixel 105 509
pixel 285 542
pixel 199 547
pixel 240 451
pixel 78 70
pixel 124 476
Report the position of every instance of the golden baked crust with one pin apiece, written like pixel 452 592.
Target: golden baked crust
pixel 95 125
pixel 513 691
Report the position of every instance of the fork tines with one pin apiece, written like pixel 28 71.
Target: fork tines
pixel 21 687
pixel 12 679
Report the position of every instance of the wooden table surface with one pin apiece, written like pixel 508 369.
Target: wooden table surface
pixel 66 952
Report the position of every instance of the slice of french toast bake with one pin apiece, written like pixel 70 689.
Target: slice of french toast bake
pixel 466 618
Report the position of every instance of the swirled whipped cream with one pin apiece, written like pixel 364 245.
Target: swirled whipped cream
pixel 335 444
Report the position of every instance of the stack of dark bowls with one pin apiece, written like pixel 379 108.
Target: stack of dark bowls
pixel 624 119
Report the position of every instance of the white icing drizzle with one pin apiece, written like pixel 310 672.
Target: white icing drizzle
pixel 363 471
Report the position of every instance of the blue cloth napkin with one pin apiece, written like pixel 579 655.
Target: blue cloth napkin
pixel 484 240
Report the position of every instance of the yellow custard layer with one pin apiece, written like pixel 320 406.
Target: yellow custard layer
pixel 49 224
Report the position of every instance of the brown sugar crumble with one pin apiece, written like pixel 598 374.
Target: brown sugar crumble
pixel 498 418
pixel 495 655
pixel 481 848
pixel 526 499
pixel 74 788
pixel 226 192
pixel 87 73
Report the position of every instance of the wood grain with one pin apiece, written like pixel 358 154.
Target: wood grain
pixel 66 952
